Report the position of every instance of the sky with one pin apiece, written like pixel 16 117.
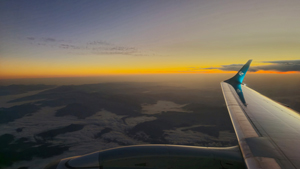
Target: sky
pixel 89 38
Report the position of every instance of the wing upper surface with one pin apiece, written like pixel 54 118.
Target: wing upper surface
pixel 268 132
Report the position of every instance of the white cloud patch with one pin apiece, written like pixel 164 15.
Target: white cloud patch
pixel 133 121
pixel 161 106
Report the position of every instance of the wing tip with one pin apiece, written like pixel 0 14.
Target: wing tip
pixel 240 75
pixel 236 81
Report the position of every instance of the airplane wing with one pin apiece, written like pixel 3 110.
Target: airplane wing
pixel 268 132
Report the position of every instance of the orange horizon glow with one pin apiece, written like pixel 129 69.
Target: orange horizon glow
pixel 145 72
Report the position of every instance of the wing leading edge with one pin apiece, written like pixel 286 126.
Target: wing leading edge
pixel 268 132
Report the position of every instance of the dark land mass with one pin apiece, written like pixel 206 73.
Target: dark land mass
pixel 87 103
pixel 106 130
pixel 50 134
pixel 12 150
pixel 89 99
pixel 121 143
pixel 153 130
pixel 205 115
pixel 207 107
pixel 85 100
pixel 117 88
pixel 126 99
pixel 16 112
pixel 19 129
pixel 19 89
pixel 75 109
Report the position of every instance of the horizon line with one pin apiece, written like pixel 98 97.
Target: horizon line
pixel 132 74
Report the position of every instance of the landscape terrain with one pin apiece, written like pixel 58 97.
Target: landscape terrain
pixel 40 123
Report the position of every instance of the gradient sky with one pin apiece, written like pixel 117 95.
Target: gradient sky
pixel 83 38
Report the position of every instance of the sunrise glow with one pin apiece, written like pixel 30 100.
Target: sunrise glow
pixel 104 38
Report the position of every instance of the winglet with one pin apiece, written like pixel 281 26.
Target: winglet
pixel 237 80
pixel 239 77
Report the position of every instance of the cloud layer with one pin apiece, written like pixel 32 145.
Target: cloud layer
pixel 279 66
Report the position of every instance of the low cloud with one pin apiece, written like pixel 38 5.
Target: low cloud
pixel 287 62
pixel 279 66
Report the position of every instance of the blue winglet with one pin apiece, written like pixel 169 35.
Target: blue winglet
pixel 237 80
pixel 239 77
